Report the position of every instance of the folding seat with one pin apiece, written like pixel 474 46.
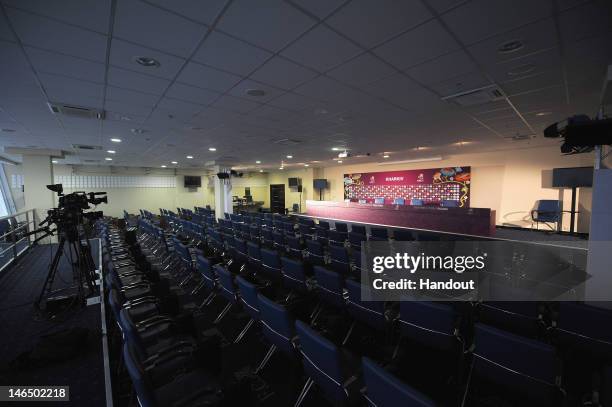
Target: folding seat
pixel 277 327
pixel 518 367
pixel 288 227
pixel 330 286
pixel 315 252
pixel 336 238
pixel 606 387
pixel 402 235
pixel 385 390
pixel 294 245
pixel 250 304
pixel 358 229
pixel 355 240
pixel 140 308
pixel 209 280
pixel 323 225
pixel 254 257
pixel 325 366
pixel 370 313
pixel 240 252
pixel 520 317
pixel 306 231
pixel 271 265
pixel 429 324
pixel 339 260
pixel 227 290
pixel 379 234
pixel 341 227
pixel 279 240
pixel 267 237
pixel 294 275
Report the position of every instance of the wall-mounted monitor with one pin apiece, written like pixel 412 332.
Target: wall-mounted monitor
pixel 193 181
pixel 319 183
pixel 294 182
pixel 572 177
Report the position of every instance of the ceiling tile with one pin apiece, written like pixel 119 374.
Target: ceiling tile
pixel 442 68
pixel 590 19
pixel 72 91
pixel 224 52
pixel 180 107
pixel 416 46
pixel 235 104
pixel 5 32
pixel 130 96
pixel 54 36
pixel 91 14
pixel 295 102
pixel 283 73
pixel 202 11
pixel 152 27
pixel 241 89
pixel 480 19
pixel 127 109
pixel 372 22
pixel 136 81
pixel 321 49
pixel 461 83
pixel 17 80
pixel 208 78
pixel 540 63
pixel 122 55
pixel 322 88
pixel 362 70
pixel 191 94
pixel 442 6
pixel 270 24
pixel 50 62
pixel 320 8
pixel 391 85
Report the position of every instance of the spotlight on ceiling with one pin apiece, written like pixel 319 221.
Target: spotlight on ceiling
pixel 146 61
pixel 339 161
pixel 212 149
pixel 281 168
pixel 163 166
pixel 174 162
pixel 111 151
pixel 386 156
pixel 189 157
pixel 108 159
pixel 290 156
pixel 260 170
pixel 116 140
pixel 306 165
pixel 257 162
pixel 543 113
pixel 54 161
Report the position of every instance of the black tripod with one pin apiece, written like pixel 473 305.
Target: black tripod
pixel 81 263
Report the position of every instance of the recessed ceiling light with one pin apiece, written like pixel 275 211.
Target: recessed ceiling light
pixel 543 113
pixel 212 149
pixel 163 166
pixel 306 165
pixel 336 149
pixel 462 143
pixel 146 61
pixel 54 161
pixel 281 168
pixel 255 92
pixel 116 140
pixel 339 161
pixel 522 70
pixel 510 46
pixel 174 162
pixel 189 157
pixel 108 159
pixel 260 170
pixel 257 162
pixel 386 156
pixel 289 156
pixel 110 151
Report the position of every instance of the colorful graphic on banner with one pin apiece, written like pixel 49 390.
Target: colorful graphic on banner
pixel 430 185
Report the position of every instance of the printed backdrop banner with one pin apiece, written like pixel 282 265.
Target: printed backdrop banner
pixel 431 185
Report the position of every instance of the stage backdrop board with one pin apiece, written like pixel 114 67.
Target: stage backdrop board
pixel 431 185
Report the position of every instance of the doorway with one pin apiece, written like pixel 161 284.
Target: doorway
pixel 277 198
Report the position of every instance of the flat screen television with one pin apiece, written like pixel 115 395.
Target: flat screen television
pixel 572 177
pixel 192 181
pixel 294 182
pixel 319 183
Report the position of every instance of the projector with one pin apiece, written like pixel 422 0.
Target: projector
pixel 344 154
pixel 580 133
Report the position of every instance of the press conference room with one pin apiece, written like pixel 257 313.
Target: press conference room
pixel 306 203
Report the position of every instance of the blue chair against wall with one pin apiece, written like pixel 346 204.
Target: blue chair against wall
pixel 546 211
pixel 359 229
pixel 416 202
pixel 385 390
pixel 379 201
pixel 379 234
pixel 399 201
pixel 449 203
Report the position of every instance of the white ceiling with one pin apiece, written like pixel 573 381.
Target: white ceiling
pixel 364 74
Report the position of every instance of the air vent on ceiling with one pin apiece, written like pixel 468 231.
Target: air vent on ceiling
pixel 476 96
pixel 519 137
pixel 91 161
pixel 86 147
pixel 287 141
pixel 81 112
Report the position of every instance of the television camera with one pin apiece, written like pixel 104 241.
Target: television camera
pixel 581 134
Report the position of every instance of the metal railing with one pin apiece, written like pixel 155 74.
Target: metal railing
pixel 16 239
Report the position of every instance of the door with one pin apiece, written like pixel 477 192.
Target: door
pixel 277 198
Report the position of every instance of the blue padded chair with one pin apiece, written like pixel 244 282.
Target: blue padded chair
pixel 355 240
pixel 399 201
pixel 250 304
pixel 241 256
pixel 385 390
pixel 315 252
pixel 449 203
pixel 429 324
pixel 294 245
pixel 323 225
pixel 277 327
pixel 416 202
pixel 379 234
pixel 585 330
pixel 341 227
pixel 370 313
pixel 330 287
pixel 306 230
pixel 546 211
pixel 359 229
pixel 339 259
pixel 336 238
pixel 294 275
pixel 227 290
pixel 322 365
pixel 209 279
pixel 271 265
pixel 522 367
pixel 267 237
pixel 379 201
pixel 254 256
pixel 279 240
pixel 403 235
